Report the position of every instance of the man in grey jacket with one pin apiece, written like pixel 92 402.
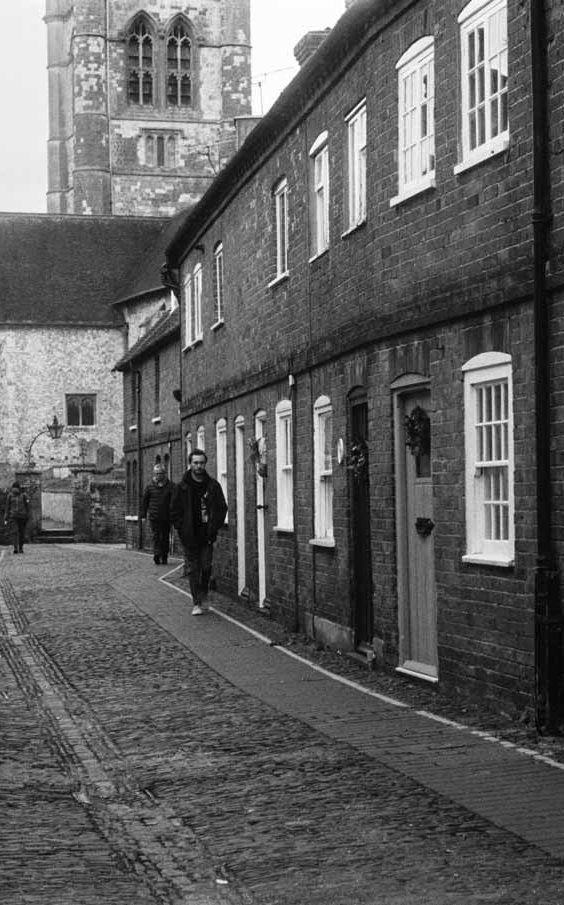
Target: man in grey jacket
pixel 156 505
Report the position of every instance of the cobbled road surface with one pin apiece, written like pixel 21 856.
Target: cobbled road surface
pixel 132 771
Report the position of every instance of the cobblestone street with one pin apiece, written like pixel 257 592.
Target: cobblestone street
pixel 150 757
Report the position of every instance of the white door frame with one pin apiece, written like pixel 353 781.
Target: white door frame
pixel 260 423
pixel 240 501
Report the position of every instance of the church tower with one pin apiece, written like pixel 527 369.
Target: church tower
pixel 143 101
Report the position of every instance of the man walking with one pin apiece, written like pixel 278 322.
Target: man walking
pixel 198 511
pixel 17 514
pixel 156 504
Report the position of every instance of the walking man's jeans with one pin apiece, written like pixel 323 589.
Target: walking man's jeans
pixel 161 533
pixel 18 533
pixel 197 568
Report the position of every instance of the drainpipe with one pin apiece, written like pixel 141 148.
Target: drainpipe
pixel 136 375
pixel 108 110
pixel 549 696
pixel 295 503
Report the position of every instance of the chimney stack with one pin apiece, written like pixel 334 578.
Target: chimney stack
pixel 307 45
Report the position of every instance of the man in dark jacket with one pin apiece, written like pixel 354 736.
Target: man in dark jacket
pixel 17 514
pixel 198 511
pixel 156 505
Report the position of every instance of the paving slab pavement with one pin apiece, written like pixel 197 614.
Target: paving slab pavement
pixel 514 788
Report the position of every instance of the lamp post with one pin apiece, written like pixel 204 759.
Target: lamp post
pixel 55 430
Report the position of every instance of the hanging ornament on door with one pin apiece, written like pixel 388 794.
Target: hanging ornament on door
pixel 258 455
pixel 357 460
pixel 418 432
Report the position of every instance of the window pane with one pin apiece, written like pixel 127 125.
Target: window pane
pixel 147 88
pixel 172 90
pixel 87 411
pixel 327 442
pixel 73 411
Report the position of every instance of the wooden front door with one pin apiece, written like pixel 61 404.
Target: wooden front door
pixel 360 517
pixel 415 525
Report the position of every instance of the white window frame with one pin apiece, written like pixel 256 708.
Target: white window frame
pixel 284 466
pixel 323 472
pixel 489 460
pixel 218 285
pixel 221 454
pixel 356 182
pixel 416 110
pixel 281 214
pixel 197 303
pixel 187 310
pixel 188 446
pixel 319 153
pixel 491 16
pixel 201 438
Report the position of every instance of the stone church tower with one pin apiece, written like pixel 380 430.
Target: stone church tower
pixel 143 101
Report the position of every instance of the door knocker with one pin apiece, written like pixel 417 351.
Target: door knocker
pixel 424 526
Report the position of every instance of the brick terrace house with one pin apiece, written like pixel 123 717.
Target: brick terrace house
pixel 371 327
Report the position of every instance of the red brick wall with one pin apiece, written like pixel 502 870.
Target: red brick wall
pixel 420 288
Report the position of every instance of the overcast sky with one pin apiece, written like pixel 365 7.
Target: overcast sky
pixel 276 28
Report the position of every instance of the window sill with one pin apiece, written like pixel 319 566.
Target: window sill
pixel 411 191
pixel 499 146
pixel 328 542
pixel 217 325
pixel 193 345
pixel 132 427
pixel 282 529
pixel 131 518
pixel 353 229
pixel 318 255
pixel 483 559
pixel 156 420
pixel 281 278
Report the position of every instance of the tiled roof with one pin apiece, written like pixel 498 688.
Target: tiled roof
pixel 344 42
pixel 62 269
pixel 165 330
pixel 146 275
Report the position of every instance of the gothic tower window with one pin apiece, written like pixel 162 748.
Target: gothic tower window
pixel 179 67
pixel 140 64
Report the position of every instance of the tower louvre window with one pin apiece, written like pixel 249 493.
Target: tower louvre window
pixel 140 64
pixel 179 67
pixel 160 151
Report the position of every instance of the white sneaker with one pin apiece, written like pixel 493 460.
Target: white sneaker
pixel 197 610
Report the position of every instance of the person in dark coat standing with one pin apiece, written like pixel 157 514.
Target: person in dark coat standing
pixel 156 505
pixel 17 514
pixel 198 511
